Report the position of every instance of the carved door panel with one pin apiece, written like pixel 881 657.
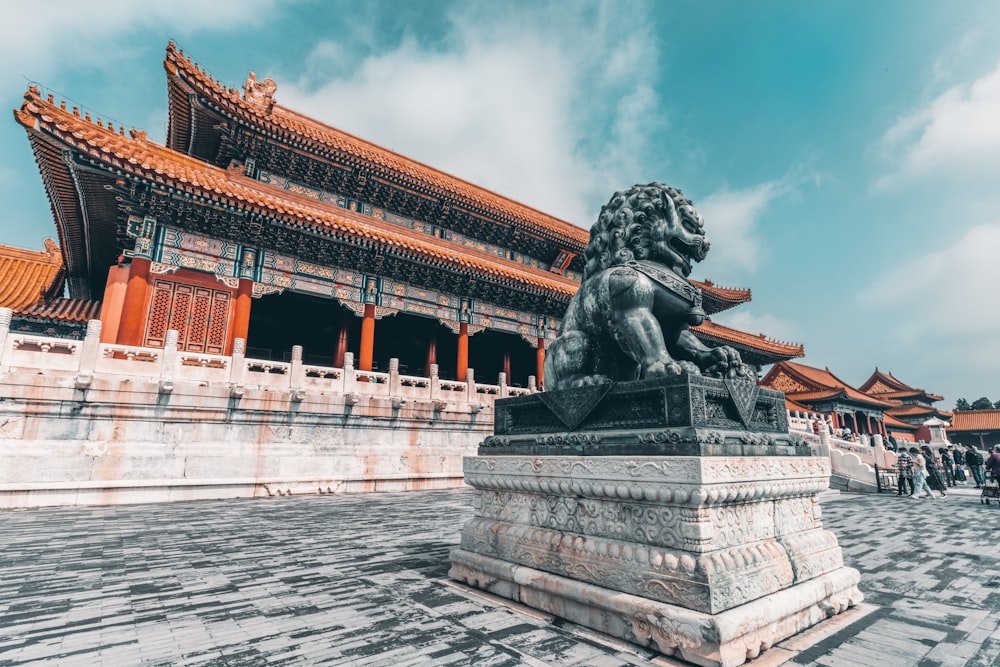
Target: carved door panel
pixel 199 314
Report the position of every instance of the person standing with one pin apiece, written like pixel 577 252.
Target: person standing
pixel 934 480
pixel 974 460
pixel 947 465
pixel 919 475
pixel 904 472
pixel 959 459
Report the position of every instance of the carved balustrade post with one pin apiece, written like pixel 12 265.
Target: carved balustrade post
pixel 350 382
pixel 296 376
pixel 532 387
pixel 435 387
pixel 395 388
pixel 88 355
pixel 238 366
pixel 879 450
pixel 168 362
pixel 824 440
pixel 502 381
pixel 470 385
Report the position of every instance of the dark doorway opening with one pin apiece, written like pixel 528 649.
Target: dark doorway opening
pixel 279 321
pixel 488 350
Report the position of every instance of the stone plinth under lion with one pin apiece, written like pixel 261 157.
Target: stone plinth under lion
pixel 653 492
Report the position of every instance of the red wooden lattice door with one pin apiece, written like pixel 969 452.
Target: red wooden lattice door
pixel 199 314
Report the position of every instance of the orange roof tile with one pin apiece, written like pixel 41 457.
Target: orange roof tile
pixel 899 424
pixel 65 310
pixel 29 276
pixel 886 385
pixel 303 131
pixel 818 383
pixel 136 155
pixel 732 295
pixel 799 407
pixel 975 420
pixel 761 342
pixel 907 410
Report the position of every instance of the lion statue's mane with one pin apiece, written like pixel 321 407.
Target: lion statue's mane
pixel 622 231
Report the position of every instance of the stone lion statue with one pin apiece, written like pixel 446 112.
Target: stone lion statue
pixel 630 318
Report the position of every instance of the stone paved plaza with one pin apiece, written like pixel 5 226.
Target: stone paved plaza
pixel 362 580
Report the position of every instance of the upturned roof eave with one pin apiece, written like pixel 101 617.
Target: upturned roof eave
pixel 143 164
pixel 318 134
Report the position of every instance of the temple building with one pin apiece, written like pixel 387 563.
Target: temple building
pixel 255 222
pixel 883 405
pixel 909 405
pixel 823 392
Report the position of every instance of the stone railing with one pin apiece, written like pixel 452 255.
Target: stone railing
pixel 855 461
pixel 89 358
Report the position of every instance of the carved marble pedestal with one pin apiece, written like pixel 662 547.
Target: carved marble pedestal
pixel 712 558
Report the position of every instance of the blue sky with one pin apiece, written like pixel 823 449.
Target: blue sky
pixel 845 155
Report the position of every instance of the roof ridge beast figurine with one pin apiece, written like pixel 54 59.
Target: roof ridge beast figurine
pixel 630 318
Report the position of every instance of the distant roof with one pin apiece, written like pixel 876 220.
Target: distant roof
pixel 975 420
pixel 915 410
pixel 759 342
pixel 64 310
pixel 800 407
pixel 898 424
pixel 718 299
pixel 886 385
pixel 28 277
pixel 805 384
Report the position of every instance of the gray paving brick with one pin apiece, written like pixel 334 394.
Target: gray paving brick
pixel 360 580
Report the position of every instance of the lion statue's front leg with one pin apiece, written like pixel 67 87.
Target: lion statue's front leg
pixel 634 326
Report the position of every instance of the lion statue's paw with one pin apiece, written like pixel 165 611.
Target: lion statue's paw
pixel 590 380
pixel 658 369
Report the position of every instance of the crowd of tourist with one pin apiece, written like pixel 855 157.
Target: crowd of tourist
pixel 921 471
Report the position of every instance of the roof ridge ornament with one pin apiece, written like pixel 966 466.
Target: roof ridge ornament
pixel 259 94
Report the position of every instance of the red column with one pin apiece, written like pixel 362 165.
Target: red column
pixel 432 353
pixel 367 339
pixel 868 418
pixel 241 318
pixel 132 325
pixel 111 305
pixel 463 353
pixel 338 355
pixel 539 362
pixel 506 365
pixel 854 418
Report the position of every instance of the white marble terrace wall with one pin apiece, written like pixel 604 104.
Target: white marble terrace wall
pixel 92 423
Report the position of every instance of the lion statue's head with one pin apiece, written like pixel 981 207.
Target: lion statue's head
pixel 647 222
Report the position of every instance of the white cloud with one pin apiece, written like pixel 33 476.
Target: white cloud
pixel 731 223
pixel 954 138
pixel 36 39
pixel 946 292
pixel 939 309
pixel 513 103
